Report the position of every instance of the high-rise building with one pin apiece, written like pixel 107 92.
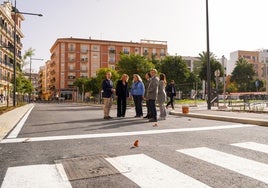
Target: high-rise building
pixel 7 47
pixel 73 58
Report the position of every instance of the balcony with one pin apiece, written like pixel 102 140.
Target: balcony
pixel 84 51
pixel 84 59
pixel 71 77
pixel 71 49
pixel 145 53
pixel 112 51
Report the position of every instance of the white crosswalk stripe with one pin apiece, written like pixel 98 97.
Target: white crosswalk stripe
pixel 253 146
pixel 146 171
pixel 250 168
pixel 41 176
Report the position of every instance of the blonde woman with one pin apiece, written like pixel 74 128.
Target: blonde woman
pixel 162 96
pixel 137 92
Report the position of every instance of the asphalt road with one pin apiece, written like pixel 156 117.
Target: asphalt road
pixel 178 152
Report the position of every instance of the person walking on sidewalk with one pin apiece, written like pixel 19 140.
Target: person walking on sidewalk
pixel 122 93
pixel 161 97
pixel 171 93
pixel 137 92
pixel 152 95
pixel 107 95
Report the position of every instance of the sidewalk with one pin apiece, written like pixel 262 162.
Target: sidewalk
pixel 224 115
pixel 10 119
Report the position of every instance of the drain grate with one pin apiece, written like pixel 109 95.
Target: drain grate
pixel 87 167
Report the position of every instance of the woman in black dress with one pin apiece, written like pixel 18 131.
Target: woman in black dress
pixel 122 93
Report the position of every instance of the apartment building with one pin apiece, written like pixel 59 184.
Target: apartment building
pixel 73 58
pixel 7 47
pixel 192 62
pixel 252 57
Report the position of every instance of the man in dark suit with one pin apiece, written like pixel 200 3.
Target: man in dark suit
pixel 107 95
pixel 171 93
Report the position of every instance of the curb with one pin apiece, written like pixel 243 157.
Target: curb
pixel 10 119
pixel 260 122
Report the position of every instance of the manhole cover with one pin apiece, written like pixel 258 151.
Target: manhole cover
pixel 87 167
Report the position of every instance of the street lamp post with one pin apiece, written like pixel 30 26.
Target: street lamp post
pixel 208 61
pixel 217 74
pixel 30 75
pixel 224 80
pixel 15 48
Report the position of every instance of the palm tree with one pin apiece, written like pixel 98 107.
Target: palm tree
pixel 214 65
pixel 243 74
pixel 27 53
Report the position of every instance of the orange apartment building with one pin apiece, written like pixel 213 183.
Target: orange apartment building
pixel 73 58
pixel 252 57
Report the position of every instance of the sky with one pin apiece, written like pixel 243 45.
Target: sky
pixel 233 24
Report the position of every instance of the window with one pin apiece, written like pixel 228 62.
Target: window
pixel 70 83
pixel 71 57
pixel 71 47
pixel 95 56
pixel 84 48
pixel 71 67
pixel 95 48
pixel 112 59
pixel 162 52
pixel 62 46
pixel 111 50
pixel 83 68
pixel 63 57
pixel 62 84
pixel 126 50
pixel 137 51
pixel 154 51
pixel 83 75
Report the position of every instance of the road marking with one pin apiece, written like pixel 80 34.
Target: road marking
pixel 117 134
pixel 148 172
pixel 253 146
pixel 19 126
pixel 250 168
pixel 41 176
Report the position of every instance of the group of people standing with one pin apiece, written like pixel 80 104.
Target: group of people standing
pixel 154 91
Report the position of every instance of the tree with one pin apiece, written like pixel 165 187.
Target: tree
pixel 175 68
pixel 93 86
pixel 27 53
pixel 214 65
pixel 23 85
pixel 101 75
pixel 243 74
pixel 133 64
pixel 232 87
pixel 82 85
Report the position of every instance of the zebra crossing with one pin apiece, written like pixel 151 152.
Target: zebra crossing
pixel 146 171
